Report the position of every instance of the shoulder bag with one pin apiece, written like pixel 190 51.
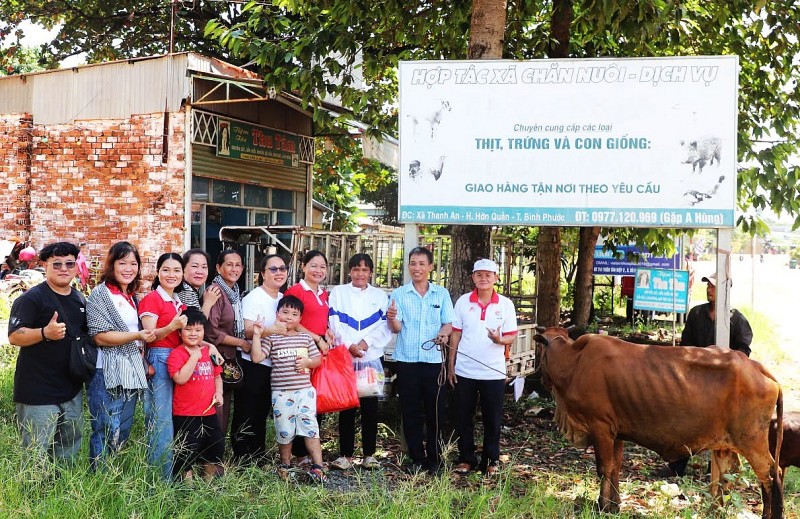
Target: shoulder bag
pixel 83 352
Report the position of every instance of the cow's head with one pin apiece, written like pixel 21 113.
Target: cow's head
pixel 543 338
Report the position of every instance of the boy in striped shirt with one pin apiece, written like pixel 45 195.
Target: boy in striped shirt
pixel 294 400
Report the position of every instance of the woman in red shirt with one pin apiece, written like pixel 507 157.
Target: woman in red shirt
pixel 315 298
pixel 315 317
pixel 160 311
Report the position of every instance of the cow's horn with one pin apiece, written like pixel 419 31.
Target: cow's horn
pixel 540 329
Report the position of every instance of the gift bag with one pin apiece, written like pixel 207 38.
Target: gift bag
pixel 369 377
pixel 335 382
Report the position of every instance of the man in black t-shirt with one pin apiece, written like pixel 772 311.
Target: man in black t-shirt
pixel 701 330
pixel 48 400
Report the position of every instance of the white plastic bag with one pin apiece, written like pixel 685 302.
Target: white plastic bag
pixel 370 377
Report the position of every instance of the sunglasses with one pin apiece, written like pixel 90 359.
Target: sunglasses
pixel 278 269
pixel 59 265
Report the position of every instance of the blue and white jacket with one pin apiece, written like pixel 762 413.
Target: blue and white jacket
pixel 356 315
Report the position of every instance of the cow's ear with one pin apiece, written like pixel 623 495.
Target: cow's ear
pixel 541 339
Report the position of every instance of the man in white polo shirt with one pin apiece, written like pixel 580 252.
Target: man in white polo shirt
pixel 483 329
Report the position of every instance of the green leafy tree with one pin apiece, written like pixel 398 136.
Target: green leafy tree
pixel 343 175
pixel 350 48
pixel 106 30
pixel 17 59
pixel 330 39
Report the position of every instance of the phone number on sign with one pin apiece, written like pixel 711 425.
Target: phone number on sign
pixel 622 217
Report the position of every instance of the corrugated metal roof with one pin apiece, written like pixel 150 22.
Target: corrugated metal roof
pixel 112 90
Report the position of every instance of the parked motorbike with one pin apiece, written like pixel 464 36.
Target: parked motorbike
pixel 15 283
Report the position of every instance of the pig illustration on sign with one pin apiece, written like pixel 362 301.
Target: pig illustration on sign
pixel 699 152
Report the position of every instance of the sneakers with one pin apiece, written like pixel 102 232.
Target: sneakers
pixel 342 463
pixel 371 463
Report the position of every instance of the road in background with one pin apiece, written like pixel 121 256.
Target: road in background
pixel 771 288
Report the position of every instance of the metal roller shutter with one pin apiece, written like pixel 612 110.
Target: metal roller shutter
pixel 205 163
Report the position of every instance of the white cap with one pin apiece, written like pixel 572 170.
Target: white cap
pixel 485 264
pixel 712 280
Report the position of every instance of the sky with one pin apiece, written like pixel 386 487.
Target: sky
pixel 36 35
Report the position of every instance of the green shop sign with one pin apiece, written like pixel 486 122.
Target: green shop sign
pixel 237 140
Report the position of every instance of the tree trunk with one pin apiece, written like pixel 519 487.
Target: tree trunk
pixel 487 30
pixel 548 256
pixel 583 278
pixel 468 243
pixel 548 272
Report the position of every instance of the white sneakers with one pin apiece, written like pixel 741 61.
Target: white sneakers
pixel 370 463
pixel 342 463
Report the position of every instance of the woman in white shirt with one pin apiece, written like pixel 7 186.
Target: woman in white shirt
pixel 358 321
pixel 113 323
pixel 254 398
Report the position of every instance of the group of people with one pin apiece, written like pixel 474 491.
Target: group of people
pixel 168 348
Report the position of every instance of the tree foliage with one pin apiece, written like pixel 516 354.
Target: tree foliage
pixel 349 49
pixel 20 60
pixel 343 176
pixel 106 30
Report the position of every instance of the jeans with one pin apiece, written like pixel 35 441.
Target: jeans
pixel 158 413
pixel 422 407
pixel 53 430
pixel 491 400
pixel 111 417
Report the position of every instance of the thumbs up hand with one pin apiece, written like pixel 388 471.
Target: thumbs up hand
pixel 391 312
pixel 179 321
pixel 54 330
pixel 495 335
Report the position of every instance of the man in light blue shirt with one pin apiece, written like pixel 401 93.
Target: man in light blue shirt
pixel 421 313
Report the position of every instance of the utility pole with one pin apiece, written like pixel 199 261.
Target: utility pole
pixel 172 11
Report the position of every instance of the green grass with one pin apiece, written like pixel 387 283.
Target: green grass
pixel 128 488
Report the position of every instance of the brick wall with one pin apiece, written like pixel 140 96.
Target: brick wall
pixel 101 181
pixel 15 136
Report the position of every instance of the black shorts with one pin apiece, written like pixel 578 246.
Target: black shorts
pixel 197 439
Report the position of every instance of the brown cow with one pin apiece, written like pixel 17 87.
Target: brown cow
pixel 674 401
pixel 790 447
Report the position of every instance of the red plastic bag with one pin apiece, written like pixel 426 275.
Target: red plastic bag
pixel 335 382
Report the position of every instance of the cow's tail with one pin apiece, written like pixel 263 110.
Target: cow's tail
pixel 776 506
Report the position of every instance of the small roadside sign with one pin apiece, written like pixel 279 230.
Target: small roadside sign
pixel 661 290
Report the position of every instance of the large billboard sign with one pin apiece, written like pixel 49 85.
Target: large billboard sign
pixel 642 142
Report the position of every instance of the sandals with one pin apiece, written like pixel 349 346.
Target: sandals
pixel 284 471
pixel 462 469
pixel 317 474
pixel 342 463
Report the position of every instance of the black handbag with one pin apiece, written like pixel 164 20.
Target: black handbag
pixel 82 352
pixel 232 374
